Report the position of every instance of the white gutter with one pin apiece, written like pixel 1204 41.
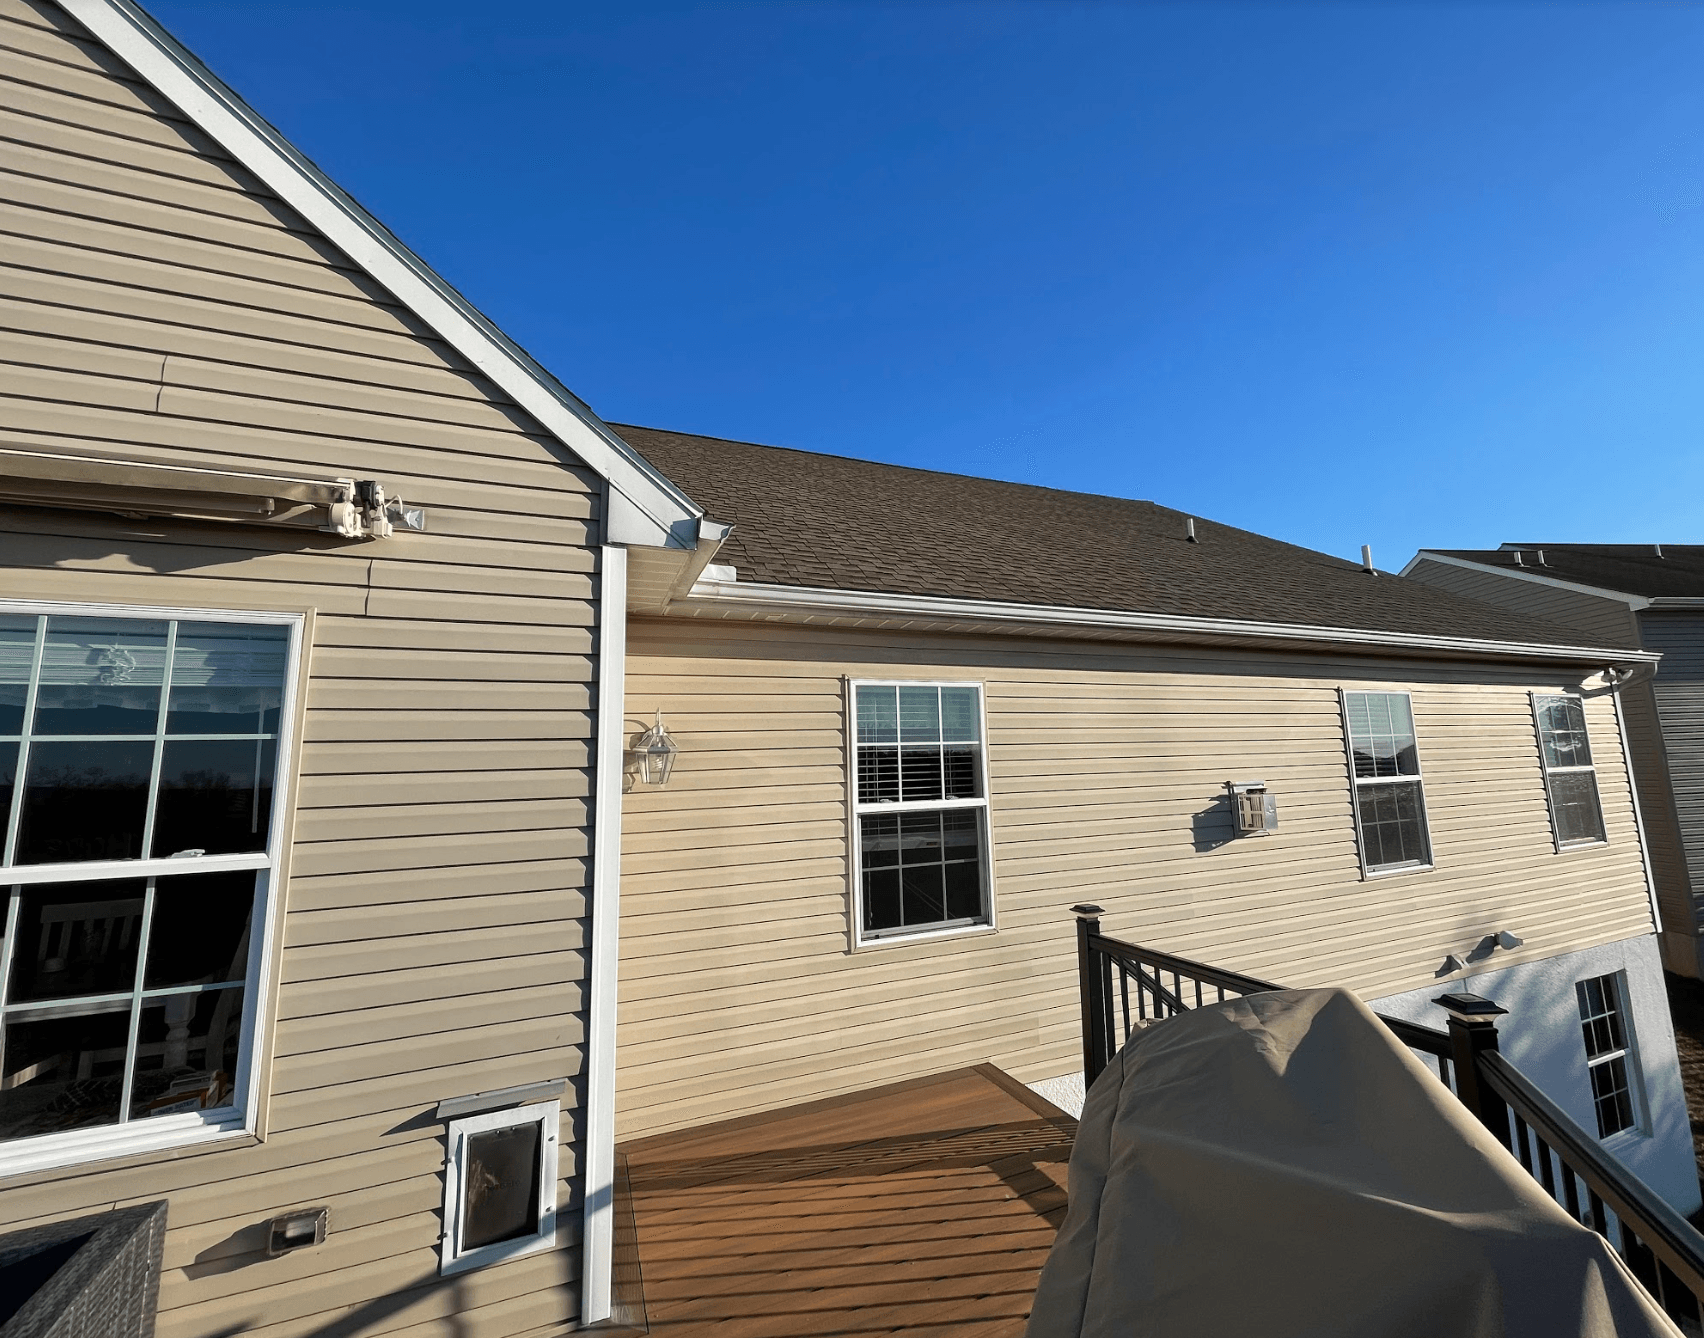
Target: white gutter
pixel 800 601
pixel 195 90
pixel 599 1233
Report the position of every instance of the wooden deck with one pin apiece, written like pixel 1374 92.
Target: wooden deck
pixel 926 1207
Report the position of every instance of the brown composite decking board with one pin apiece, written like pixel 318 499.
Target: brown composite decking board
pixel 924 1206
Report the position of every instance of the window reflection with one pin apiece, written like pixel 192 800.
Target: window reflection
pixel 100 676
pixel 186 1053
pixel 227 678
pixel 62 1072
pixel 76 939
pixel 200 929
pixel 215 796
pixel 17 652
pixel 84 801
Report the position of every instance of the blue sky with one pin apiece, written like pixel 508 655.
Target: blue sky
pixel 1341 273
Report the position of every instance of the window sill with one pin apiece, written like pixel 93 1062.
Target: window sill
pixel 1572 846
pixel 168 1133
pixel 1397 870
pixel 922 936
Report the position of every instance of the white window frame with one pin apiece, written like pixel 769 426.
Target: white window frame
pixel 241 1118
pixel 451 1257
pixel 1628 1054
pixel 1356 782
pixel 1561 846
pixel 855 810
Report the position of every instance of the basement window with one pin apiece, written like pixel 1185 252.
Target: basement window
pixel 920 806
pixel 1609 1052
pixel 500 1186
pixel 1570 779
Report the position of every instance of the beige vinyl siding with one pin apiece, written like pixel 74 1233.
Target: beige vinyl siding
pixel 1107 770
pixel 1678 694
pixel 156 302
pixel 1599 621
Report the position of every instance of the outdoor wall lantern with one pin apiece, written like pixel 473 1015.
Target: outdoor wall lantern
pixel 654 751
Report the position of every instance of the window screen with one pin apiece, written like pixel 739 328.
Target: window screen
pixel 1570 779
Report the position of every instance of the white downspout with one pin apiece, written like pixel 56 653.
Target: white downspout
pixel 599 1230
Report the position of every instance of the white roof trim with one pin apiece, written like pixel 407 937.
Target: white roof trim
pixel 190 86
pixel 802 601
pixel 1524 574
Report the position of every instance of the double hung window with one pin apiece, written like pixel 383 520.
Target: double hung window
pixel 920 806
pixel 138 788
pixel 1603 1021
pixel 1570 780
pixel 1390 798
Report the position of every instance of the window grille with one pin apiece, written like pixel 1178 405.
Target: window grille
pixel 1570 779
pixel 1608 1052
pixel 138 787
pixel 1384 764
pixel 920 808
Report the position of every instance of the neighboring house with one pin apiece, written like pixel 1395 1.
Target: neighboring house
pixel 312 583
pixel 920 715
pixel 1647 595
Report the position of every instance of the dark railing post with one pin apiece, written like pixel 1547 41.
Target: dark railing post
pixel 1089 986
pixel 1473 1031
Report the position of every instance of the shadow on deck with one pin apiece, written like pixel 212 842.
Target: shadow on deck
pixel 927 1206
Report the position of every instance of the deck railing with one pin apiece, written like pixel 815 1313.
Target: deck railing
pixel 1125 987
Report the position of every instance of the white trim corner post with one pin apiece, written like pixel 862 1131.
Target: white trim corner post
pixel 598 1240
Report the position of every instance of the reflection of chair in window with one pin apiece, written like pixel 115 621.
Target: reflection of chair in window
pixel 85 933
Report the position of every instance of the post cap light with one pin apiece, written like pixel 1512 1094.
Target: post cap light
pixel 655 751
pixel 1471 1007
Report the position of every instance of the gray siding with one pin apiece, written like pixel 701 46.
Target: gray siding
pixel 1678 690
pixel 1600 622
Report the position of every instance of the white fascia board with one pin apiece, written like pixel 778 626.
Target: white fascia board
pixel 743 596
pixel 1523 574
pixel 190 86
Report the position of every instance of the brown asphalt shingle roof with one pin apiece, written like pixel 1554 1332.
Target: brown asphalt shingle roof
pixel 1633 569
pixel 826 521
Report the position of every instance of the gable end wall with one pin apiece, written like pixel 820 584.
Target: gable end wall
pixel 156 301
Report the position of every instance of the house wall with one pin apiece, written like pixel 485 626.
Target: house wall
pixel 1541 1034
pixel 1606 622
pixel 1615 623
pixel 739 990
pixel 155 300
pixel 1676 697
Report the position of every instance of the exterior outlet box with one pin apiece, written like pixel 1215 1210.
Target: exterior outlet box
pixel 293 1231
pixel 1255 808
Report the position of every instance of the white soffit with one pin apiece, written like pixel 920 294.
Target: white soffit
pixel 660 513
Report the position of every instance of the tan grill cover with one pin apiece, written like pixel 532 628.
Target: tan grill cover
pixel 1280 1165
